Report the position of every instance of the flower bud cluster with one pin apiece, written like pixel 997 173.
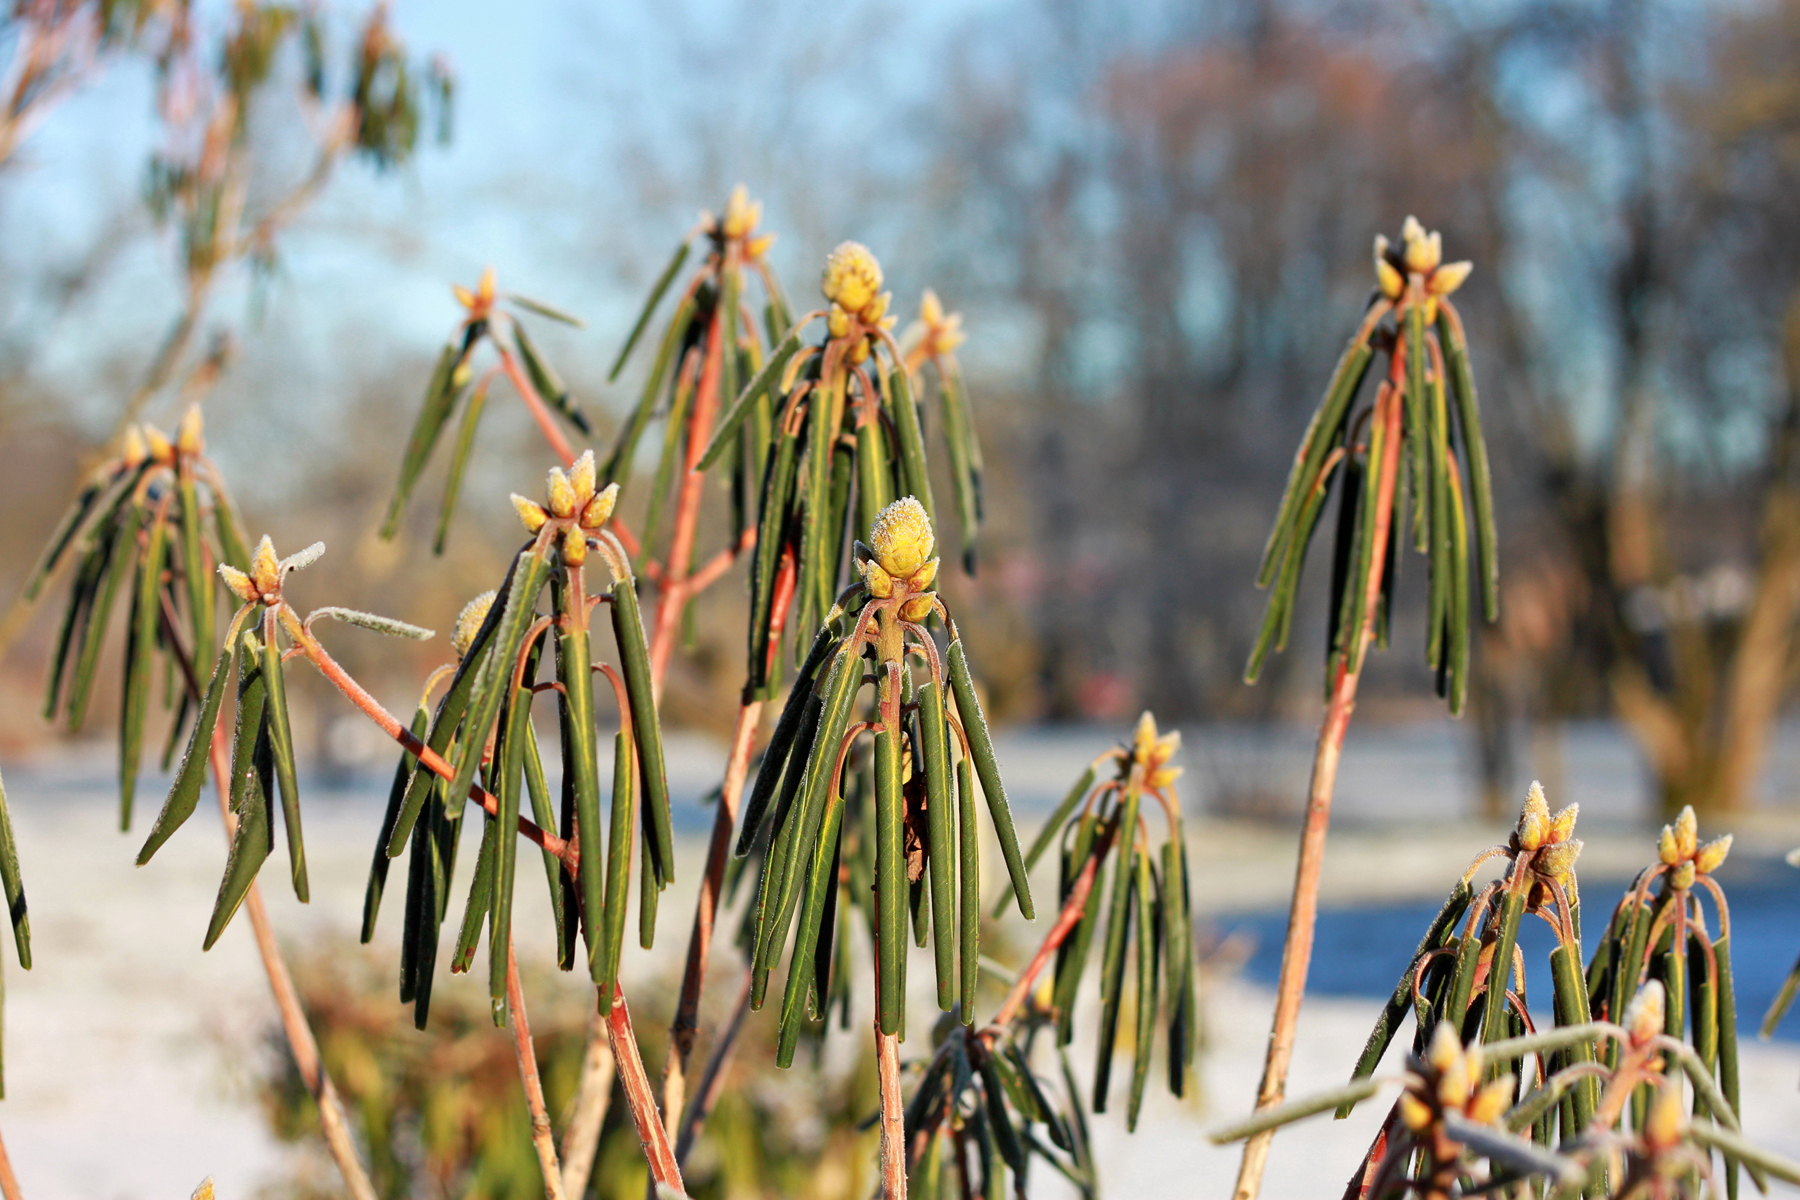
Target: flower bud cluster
pixel 742 216
pixel 937 332
pixel 572 501
pixel 1449 1081
pixel 1680 850
pixel 1547 838
pixel 1152 753
pixel 262 583
pixel 898 558
pixel 852 283
pixel 146 442
pixel 1419 253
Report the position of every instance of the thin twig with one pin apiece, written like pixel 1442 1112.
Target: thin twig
pixel 687 1012
pixel 712 1079
pixel 546 422
pixel 893 1116
pixel 1072 911
pixel 541 1140
pixel 9 1183
pixel 1296 954
pixel 638 1096
pixel 592 1098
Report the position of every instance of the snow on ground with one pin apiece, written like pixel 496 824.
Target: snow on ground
pixel 128 1050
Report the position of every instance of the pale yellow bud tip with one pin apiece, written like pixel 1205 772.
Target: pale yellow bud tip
pixel 238 582
pixel 931 309
pixel 1491 1101
pixel 1666 850
pixel 852 277
pixel 1556 861
pixel 1563 823
pixel 133 449
pixel 1711 856
pixel 574 546
pixel 530 512
pixel 265 568
pixel 158 442
pixel 468 622
pixel 1447 278
pixel 581 478
pixel 595 514
pixel 901 537
pixel 190 435
pixel 1687 832
pixel 561 493
pixel 1644 1015
pixel 1445 1047
pixel 1667 1119
pixel 1682 877
pixel 1415 1112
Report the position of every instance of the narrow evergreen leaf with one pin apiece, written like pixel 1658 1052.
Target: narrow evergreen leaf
pixel 657 290
pixel 184 793
pixel 281 744
pixel 459 463
pixel 987 768
pixel 440 399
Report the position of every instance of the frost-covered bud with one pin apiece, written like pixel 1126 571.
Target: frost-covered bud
pixel 741 216
pixel 756 247
pixel 581 478
pixel 878 581
pixel 1416 1114
pixel 1563 823
pixel 1555 861
pixel 917 608
pixel 468 622
pixel 1667 1120
pixel 1711 856
pixel 600 508
pixel 238 582
pixel 1447 278
pixel 1682 877
pixel 1491 1101
pixel 1666 850
pixel 1534 820
pixel 531 513
pixel 1424 252
pixel 837 321
pixel 1644 1015
pixel 574 546
pixel 1687 832
pixel 265 568
pixel 922 579
pixel 901 537
pixel 852 277
pixel 561 494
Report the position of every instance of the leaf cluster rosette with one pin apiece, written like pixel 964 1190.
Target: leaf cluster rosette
pixel 1417 445
pixel 490 318
pixel 930 746
pixel 482 727
pixel 844 436
pixel 151 523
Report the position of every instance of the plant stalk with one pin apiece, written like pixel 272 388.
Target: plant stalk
pixel 1296 955
pixel 638 1096
pixel 592 1099
pixel 541 1140
pixel 893 1115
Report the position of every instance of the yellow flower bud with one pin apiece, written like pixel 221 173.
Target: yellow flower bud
pixel 1557 860
pixel 852 277
pixel 574 546
pixel 1534 820
pixel 1445 1047
pixel 1416 1114
pixel 463 295
pixel 160 448
pixel 1386 276
pixel 931 309
pixel 530 512
pixel 265 568
pixel 1457 1081
pixel 878 307
pixel 1682 877
pixel 859 352
pixel 1424 252
pixel 1162 777
pixel 1447 278
pixel 1563 823
pixel 600 508
pixel 837 321
pixel 1666 849
pixel 739 216
pixel 916 609
pixel 756 247
pixel 901 537
pixel 238 582
pixel 1667 1120
pixel 581 478
pixel 1411 230
pixel 1711 856
pixel 190 435
pixel 1644 1015
pixel 878 581
pixel 133 450
pixel 922 579
pixel 1491 1101
pixel 561 494
pixel 484 291
pixel 468 622
pixel 1687 832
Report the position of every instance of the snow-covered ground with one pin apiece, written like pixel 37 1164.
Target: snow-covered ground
pixel 128 1050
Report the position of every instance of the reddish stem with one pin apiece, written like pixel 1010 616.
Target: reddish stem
pixel 1296 956
pixel 638 1096
pixel 893 1116
pixel 1072 911
pixel 541 1140
pixel 546 420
